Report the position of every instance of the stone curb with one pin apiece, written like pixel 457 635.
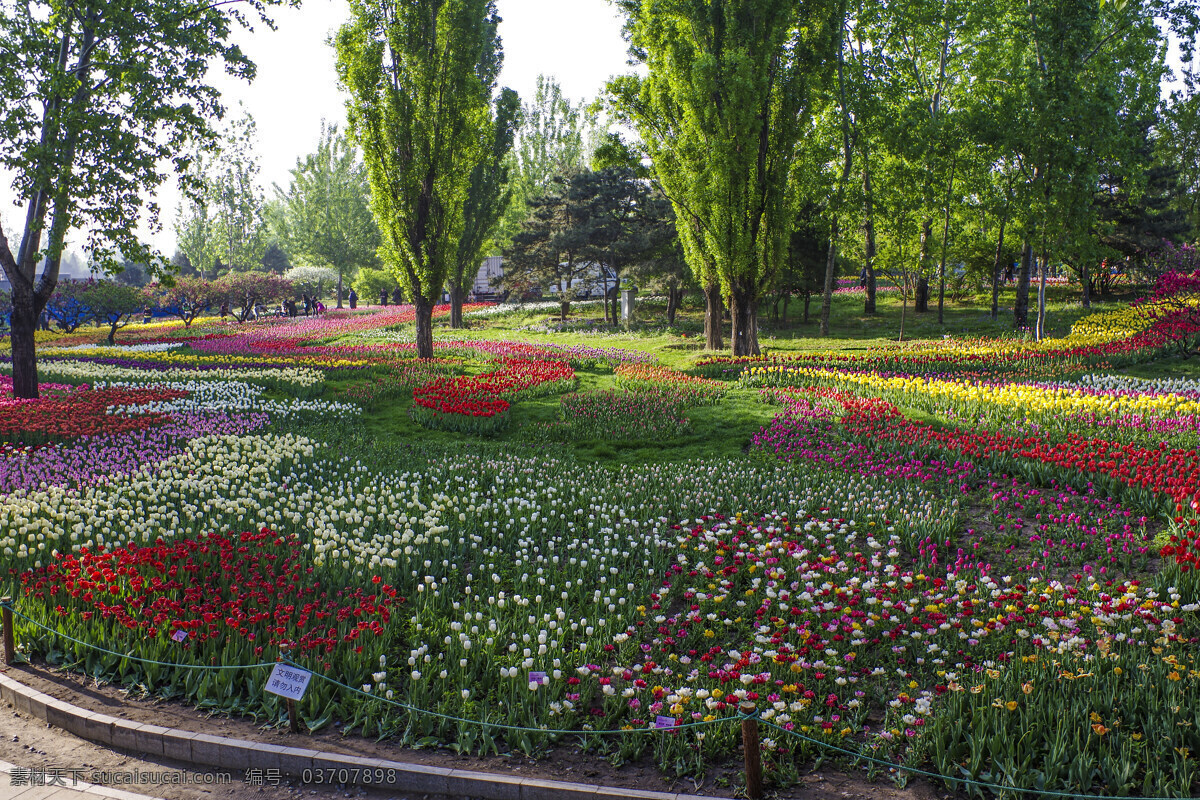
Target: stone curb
pixel 241 754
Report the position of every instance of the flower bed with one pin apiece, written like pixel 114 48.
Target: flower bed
pixel 622 416
pixel 216 599
pixel 81 414
pixel 689 390
pixel 480 403
pixel 299 382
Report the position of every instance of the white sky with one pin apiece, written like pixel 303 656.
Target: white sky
pixel 576 41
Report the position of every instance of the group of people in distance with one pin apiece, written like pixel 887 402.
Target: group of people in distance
pixel 312 307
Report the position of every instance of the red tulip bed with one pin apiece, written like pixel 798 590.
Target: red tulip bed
pixel 480 403
pixel 395 380
pixel 216 599
pixel 80 414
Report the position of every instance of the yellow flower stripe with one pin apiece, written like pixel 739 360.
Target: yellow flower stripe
pixel 184 360
pixel 1022 398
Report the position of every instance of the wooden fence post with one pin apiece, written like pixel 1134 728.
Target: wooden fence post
pixel 751 748
pixel 6 621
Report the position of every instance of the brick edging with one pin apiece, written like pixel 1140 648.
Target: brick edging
pixel 241 754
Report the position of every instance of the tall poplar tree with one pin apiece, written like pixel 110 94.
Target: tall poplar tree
pixel 727 97
pixel 420 75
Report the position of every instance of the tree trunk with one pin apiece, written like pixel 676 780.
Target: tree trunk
pixel 868 235
pixel 830 271
pixel 787 298
pixel 564 310
pixel 1021 305
pixel 24 357
pixel 673 297
pixel 712 317
pixel 903 302
pixel 996 267
pixel 807 304
pixel 1086 272
pixel 339 289
pixel 945 246
pixel 615 299
pixel 1041 306
pixel 424 310
pixel 743 308
pixel 921 296
pixel 456 304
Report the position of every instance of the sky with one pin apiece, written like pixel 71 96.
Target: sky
pixel 576 41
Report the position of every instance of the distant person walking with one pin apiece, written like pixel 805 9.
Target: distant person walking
pixel 353 298
pixel 307 305
pixel 383 297
pixel 397 298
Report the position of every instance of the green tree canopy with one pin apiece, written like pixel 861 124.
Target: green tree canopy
pixel 729 91
pixel 488 197
pixel 113 304
pixel 548 253
pixel 99 102
pixel 324 218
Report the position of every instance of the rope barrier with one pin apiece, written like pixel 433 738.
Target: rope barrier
pixel 503 726
pixel 133 657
